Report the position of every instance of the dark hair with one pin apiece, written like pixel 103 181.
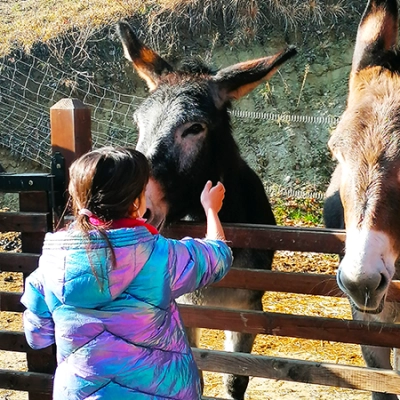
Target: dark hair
pixel 106 181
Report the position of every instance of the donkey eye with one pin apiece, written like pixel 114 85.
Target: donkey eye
pixel 193 130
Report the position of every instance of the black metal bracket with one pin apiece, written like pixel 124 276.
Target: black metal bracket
pixel 14 183
pixel 59 173
pixel 53 183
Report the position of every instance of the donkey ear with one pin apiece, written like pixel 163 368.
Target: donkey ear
pixel 376 33
pixel 148 64
pixel 240 79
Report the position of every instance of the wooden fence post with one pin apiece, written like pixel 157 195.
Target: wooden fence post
pixel 71 136
pixel 70 123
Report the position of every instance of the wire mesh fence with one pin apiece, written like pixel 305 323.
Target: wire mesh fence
pixel 30 87
pixel 31 83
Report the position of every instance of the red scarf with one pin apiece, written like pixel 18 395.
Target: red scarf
pixel 125 223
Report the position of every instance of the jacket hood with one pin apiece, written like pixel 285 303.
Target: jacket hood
pixel 81 271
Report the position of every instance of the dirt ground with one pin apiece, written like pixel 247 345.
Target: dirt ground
pixel 265 345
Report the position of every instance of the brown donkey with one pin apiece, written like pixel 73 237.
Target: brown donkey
pixel 364 194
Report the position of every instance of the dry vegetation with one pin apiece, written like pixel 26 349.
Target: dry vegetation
pixel 27 22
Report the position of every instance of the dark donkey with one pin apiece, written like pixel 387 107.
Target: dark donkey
pixel 185 131
pixel 364 194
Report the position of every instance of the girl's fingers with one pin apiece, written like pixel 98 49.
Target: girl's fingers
pixel 220 186
pixel 208 186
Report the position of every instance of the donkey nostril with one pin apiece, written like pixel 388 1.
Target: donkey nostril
pixel 383 283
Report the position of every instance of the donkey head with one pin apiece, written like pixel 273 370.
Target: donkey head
pixel 366 144
pixel 184 124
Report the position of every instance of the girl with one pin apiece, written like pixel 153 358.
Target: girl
pixel 105 288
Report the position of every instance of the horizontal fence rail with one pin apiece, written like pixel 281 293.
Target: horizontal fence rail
pixel 18 262
pixel 10 302
pixel 16 341
pixel 327 374
pixel 238 363
pixel 29 222
pixel 269 237
pixel 296 326
pixel 269 281
pixel 36 382
pixel 279 324
pixel 32 382
pixel 291 282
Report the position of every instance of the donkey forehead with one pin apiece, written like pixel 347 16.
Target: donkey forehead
pixel 370 126
pixel 366 143
pixel 181 102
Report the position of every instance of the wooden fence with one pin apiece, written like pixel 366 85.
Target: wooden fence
pixel 41 198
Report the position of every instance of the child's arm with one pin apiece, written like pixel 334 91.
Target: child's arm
pixel 201 262
pixel 211 198
pixel 38 322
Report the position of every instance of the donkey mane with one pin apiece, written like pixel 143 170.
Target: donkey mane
pixel 189 70
pixel 196 65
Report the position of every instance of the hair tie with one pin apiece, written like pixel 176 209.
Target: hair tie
pixel 85 211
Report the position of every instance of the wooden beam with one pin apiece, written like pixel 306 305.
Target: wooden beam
pixel 296 326
pixel 213 398
pixel 18 262
pixel 32 382
pixel 327 374
pixel 276 324
pixel 359 378
pixel 37 382
pixel 24 222
pixel 269 237
pixel 14 341
pixel 291 282
pixel 287 282
pixel 273 281
pixel 299 283
pixel 11 302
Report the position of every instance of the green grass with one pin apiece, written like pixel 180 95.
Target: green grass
pixel 23 23
pixel 297 211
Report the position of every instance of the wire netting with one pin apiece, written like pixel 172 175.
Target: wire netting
pixel 32 83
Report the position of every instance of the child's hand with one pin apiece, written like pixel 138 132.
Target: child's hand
pixel 212 196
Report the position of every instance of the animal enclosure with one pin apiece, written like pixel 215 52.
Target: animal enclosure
pixel 37 216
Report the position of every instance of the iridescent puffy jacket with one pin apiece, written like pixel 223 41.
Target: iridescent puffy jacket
pixel 118 332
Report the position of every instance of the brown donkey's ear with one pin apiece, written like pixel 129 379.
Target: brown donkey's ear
pixel 148 64
pixel 240 79
pixel 376 33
